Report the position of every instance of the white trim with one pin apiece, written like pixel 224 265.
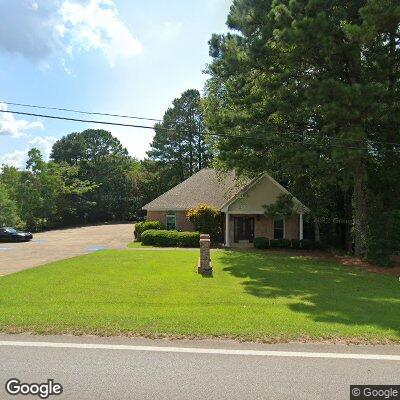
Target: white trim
pixel 225 207
pixel 166 219
pixel 306 209
pixel 202 350
pixel 227 229
pixel 247 212
pixel 301 226
pixel 253 183
pixel 165 209
pixel 284 227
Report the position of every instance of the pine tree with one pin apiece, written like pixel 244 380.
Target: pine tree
pixel 302 88
pixel 179 142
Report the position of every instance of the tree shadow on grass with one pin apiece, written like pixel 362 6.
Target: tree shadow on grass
pixel 324 290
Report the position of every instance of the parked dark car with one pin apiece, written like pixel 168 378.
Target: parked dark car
pixel 12 235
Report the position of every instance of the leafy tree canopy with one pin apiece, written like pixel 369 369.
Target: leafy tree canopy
pixel 309 91
pixel 284 205
pixel 179 143
pixel 89 145
pixel 206 219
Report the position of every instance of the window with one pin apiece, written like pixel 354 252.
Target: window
pixel 278 227
pixel 170 222
pixel 243 229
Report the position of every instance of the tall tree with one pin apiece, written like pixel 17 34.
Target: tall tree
pixel 44 195
pixel 299 90
pixel 89 145
pixel 8 209
pixel 102 160
pixel 179 142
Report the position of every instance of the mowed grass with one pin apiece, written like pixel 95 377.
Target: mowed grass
pixel 253 295
pixel 134 245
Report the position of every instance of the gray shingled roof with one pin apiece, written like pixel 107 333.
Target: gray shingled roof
pixel 207 186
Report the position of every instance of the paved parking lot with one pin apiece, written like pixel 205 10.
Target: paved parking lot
pixel 57 245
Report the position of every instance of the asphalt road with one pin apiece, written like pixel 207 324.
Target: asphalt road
pixel 63 243
pixel 99 368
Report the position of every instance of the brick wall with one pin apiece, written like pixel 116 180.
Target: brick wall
pixel 182 223
pixel 156 216
pixel 264 227
pixel 292 227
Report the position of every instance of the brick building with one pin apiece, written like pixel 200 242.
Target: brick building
pixel 240 201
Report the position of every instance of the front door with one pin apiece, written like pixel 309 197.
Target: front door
pixel 243 229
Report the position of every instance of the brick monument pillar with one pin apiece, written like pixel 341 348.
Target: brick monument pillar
pixel 204 266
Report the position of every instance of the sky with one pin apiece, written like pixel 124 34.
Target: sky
pixel 114 56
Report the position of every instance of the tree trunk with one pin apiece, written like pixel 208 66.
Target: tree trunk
pixel 316 231
pixel 391 157
pixel 360 209
pixel 190 159
pixel 348 242
pixel 199 153
pixel 347 238
pixel 191 145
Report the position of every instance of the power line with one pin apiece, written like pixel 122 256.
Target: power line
pixel 279 140
pixel 80 111
pixel 135 117
pixel 77 119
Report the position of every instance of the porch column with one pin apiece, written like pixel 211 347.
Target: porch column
pixel 227 229
pixel 301 226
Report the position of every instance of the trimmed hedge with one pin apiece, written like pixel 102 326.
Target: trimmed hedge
pixel 307 244
pixel 296 244
pixel 311 245
pixel 169 238
pixel 143 226
pixel 265 243
pixel 280 243
pixel 261 243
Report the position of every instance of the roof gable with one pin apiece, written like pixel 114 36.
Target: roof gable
pixel 224 191
pixel 207 186
pixel 261 191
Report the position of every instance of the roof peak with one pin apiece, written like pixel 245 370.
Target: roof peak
pixel 208 186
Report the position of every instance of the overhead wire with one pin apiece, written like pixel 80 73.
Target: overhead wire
pixel 281 139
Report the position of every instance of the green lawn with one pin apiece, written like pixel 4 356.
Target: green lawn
pixel 134 245
pixel 253 295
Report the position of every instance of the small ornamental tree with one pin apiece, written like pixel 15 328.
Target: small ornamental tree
pixel 206 219
pixel 284 205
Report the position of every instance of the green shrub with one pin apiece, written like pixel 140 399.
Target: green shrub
pixel 206 219
pixel 383 239
pixel 265 243
pixel 280 243
pixel 274 243
pixel 261 243
pixel 188 239
pixel 296 244
pixel 141 227
pixel 164 238
pixel 170 238
pixel 307 244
